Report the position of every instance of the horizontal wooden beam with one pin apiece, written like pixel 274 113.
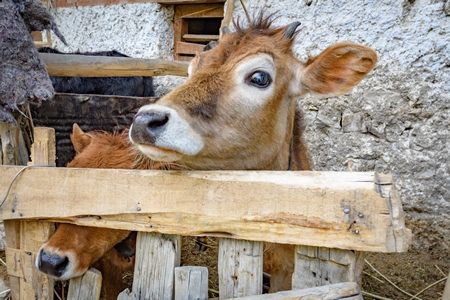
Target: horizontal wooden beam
pixel 345 290
pixel 103 66
pixel 358 211
pixel 170 2
pixel 200 37
pixel 188 48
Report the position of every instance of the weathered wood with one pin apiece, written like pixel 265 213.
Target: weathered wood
pixel 228 15
pixel 167 2
pixel 195 11
pixel 26 281
pixel 197 38
pixel 85 287
pixel 12 233
pixel 346 290
pixel 43 151
pixel 9 151
pixel 103 66
pixel 317 266
pixel 24 238
pixel 157 255
pixel 188 48
pixel 191 283
pixel 182 13
pixel 313 208
pixel 91 112
pixel 446 293
pixel 240 268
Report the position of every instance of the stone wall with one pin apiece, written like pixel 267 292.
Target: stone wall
pixel 397 120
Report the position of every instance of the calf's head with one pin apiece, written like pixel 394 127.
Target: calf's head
pixel 237 109
pixel 72 249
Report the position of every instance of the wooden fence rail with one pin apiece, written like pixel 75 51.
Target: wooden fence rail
pixel 326 209
pixel 326 214
pixel 103 66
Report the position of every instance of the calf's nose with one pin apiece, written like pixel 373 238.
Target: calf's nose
pixel 52 264
pixel 147 125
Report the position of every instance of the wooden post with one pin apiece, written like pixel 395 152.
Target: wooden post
pixel 9 151
pixel 157 255
pixel 24 238
pixel 240 268
pixel 191 283
pixel 317 266
pixel 446 294
pixel 87 286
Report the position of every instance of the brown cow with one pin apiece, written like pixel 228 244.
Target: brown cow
pixel 72 249
pixel 237 111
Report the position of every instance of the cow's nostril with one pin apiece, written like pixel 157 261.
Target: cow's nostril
pixel 157 120
pixel 147 126
pixel 62 265
pixel 52 264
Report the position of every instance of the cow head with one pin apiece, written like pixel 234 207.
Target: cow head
pixel 237 108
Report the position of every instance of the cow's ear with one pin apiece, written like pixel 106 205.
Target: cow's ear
pixel 337 69
pixel 80 140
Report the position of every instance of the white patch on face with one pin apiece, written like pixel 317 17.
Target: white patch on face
pixel 252 95
pixel 71 270
pixel 177 138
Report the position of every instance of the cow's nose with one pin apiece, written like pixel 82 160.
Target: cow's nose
pixel 52 264
pixel 147 125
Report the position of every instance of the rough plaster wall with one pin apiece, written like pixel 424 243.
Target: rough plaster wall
pixel 397 120
pixel 143 30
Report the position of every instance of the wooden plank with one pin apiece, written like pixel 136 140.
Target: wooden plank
pixel 195 11
pixel 71 3
pixel 26 237
pixel 167 2
pixel 9 152
pixel 317 266
pixel 101 66
pixel 43 151
pixel 157 256
pixel 188 48
pixel 198 38
pixel 228 16
pixel 191 283
pixel 87 286
pixel 26 281
pixel 446 293
pixel 327 209
pixel 240 268
pixel 12 233
pixel 346 290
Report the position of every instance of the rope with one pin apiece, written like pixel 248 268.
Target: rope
pixel 15 177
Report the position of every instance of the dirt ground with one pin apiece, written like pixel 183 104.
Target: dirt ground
pixel 411 272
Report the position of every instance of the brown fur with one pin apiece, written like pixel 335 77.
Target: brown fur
pixel 268 136
pixel 235 137
pixel 94 246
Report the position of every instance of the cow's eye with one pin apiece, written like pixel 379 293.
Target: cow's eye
pixel 260 79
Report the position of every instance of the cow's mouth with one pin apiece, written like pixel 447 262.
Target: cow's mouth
pixel 159 154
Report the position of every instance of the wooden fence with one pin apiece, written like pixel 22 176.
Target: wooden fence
pixel 332 217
